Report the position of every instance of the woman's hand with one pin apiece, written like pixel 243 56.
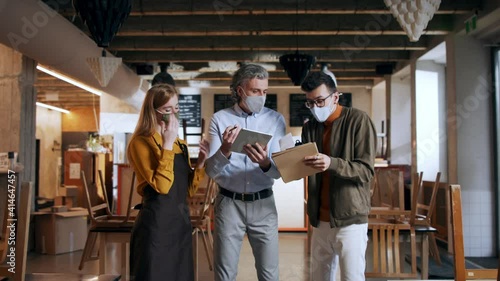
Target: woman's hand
pixel 228 138
pixel 169 132
pixel 319 161
pixel 204 152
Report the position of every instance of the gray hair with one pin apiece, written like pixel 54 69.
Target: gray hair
pixel 245 73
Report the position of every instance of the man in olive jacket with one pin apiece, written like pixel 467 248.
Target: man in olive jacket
pixel 339 195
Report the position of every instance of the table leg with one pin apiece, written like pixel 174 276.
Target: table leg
pixel 102 253
pixel 425 256
pixel 125 272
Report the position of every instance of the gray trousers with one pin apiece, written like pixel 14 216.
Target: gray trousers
pixel 259 220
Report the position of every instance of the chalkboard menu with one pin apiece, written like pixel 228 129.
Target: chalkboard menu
pixel 222 101
pixel 272 102
pixel 299 113
pixel 345 99
pixel 190 109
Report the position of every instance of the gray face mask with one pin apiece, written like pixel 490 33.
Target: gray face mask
pixel 254 103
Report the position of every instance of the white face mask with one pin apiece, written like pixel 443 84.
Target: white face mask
pixel 254 103
pixel 322 113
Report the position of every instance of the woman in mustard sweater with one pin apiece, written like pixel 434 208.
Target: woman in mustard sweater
pixel 160 246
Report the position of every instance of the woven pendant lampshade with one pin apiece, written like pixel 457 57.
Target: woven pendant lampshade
pixel 413 15
pixel 104 68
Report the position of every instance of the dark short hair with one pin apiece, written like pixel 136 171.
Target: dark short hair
pixel 316 79
pixel 163 78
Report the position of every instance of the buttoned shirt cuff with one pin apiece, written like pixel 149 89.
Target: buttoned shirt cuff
pixel 273 171
pixel 216 163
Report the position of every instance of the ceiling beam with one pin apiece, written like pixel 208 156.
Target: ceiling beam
pixel 262 24
pixel 265 43
pixel 272 83
pixel 272 66
pixel 223 7
pixel 192 56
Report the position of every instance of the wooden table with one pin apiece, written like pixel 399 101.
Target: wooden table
pixel 424 232
pixel 421 231
pixel 115 237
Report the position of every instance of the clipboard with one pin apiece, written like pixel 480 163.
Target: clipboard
pixel 247 136
pixel 289 162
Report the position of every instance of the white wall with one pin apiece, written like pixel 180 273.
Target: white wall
pixel 401 118
pixel 474 140
pixel 431 120
pixel 378 110
pixel 48 131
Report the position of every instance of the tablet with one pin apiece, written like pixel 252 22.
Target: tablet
pixel 247 136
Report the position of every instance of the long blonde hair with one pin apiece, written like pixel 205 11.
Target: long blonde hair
pixel 157 96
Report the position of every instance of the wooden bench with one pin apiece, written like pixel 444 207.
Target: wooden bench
pixel 462 273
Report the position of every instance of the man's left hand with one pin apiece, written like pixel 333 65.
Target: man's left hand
pixel 258 154
pixel 318 161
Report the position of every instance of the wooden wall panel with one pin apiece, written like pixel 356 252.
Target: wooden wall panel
pixel 81 120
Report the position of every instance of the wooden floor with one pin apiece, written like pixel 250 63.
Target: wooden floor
pixel 293 257
pixel 69 277
pixel 292 254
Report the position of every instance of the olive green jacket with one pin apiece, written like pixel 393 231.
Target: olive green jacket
pixel 353 146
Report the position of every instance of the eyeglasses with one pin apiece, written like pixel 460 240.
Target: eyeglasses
pixel 317 102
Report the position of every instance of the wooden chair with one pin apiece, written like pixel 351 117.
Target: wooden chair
pixel 388 214
pixel 186 134
pixel 424 213
pixel 23 208
pixel 109 228
pixel 200 206
pixel 461 273
pixel 109 214
pixel 388 256
pixel 388 189
pixel 373 190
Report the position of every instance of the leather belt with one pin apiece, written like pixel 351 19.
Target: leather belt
pixel 246 197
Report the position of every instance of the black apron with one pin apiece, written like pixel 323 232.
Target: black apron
pixel 161 242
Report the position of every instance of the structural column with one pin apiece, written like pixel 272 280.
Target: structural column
pixel 18 108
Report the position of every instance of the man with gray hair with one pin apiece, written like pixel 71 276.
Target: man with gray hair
pixel 245 204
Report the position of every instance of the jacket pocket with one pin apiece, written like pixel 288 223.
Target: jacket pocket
pixel 347 199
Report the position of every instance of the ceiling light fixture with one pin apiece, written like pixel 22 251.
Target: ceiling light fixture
pixel 297 65
pixel 103 18
pixel 413 15
pixel 69 80
pixel 104 68
pixel 52 107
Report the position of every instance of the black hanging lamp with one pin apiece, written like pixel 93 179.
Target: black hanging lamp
pixel 103 17
pixel 297 65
